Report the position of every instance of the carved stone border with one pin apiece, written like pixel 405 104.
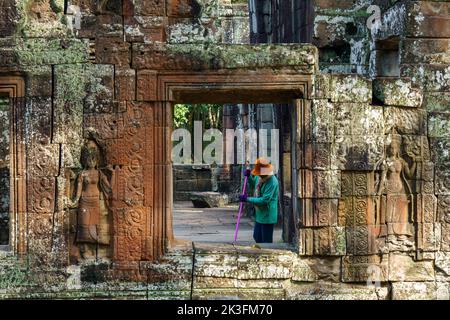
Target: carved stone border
pixel 236 87
pixel 14 88
pixel 223 87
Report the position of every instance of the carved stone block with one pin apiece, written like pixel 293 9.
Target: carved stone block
pixel 146 85
pixel 149 185
pixel 129 229
pixel 445 236
pixel 105 126
pixel 428 236
pixel 357 211
pixel 45 160
pixel 315 156
pixel 113 51
pixel 329 241
pixel 319 212
pixel 356 153
pixel 306 241
pixel 41 195
pixel 99 106
pixel 363 239
pixel 357 183
pixel 125 84
pixel 417 147
pixel 444 209
pixel 319 184
pixel 442 181
pixel 40 233
pixel 426 208
pixel 369 269
pixel 8 18
pixel 128 186
pixel 406 121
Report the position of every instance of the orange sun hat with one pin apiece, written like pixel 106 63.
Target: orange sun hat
pixel 263 167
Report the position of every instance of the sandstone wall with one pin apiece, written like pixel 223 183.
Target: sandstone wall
pixel 97 83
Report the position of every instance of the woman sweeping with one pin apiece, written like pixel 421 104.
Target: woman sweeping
pixel 266 187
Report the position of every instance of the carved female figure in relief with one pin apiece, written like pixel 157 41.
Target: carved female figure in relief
pixel 93 191
pixel 395 192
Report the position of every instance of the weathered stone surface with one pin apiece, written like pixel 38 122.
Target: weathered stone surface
pixel 370 269
pixel 82 84
pixel 397 93
pixel 352 88
pixel 439 125
pixel 319 184
pixel 443 262
pixel 430 77
pixel 200 57
pixel 358 153
pixel 324 241
pixel 145 29
pixel 438 102
pixel 428 19
pixel 406 121
pixel 46 160
pixel 414 291
pixel 333 291
pixel 320 213
pixel 113 51
pixel 322 84
pixel 403 268
pixel 433 51
pixel 40 51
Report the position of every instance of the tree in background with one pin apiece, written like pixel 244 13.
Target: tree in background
pixel 209 114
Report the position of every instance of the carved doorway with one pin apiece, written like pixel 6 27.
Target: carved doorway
pixel 226 88
pixel 12 90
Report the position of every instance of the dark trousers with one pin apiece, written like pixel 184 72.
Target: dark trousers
pixel 263 233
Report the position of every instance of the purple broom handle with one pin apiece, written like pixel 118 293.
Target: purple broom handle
pixel 241 207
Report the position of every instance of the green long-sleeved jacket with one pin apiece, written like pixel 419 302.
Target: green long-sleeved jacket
pixel 266 205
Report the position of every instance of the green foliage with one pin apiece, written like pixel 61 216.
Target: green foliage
pixel 209 114
pixel 181 115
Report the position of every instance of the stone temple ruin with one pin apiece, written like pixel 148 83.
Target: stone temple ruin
pixel 87 90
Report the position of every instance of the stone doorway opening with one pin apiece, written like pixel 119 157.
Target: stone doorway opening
pixel 211 144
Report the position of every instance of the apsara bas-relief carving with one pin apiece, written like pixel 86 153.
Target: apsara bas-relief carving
pixel 91 196
pixel 395 200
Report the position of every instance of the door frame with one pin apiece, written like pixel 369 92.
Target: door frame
pixel 14 88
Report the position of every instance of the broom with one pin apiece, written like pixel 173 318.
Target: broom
pixel 241 208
